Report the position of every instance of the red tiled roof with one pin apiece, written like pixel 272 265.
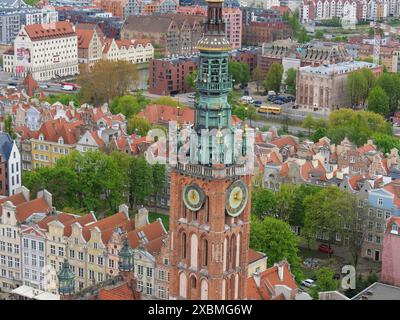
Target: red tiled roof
pixel 268 279
pixel 281 142
pixel 15 199
pixel 83 220
pixel 54 129
pixel 121 292
pixel 154 233
pixel 26 209
pixel 62 217
pixel 394 188
pixel 254 255
pixel 84 37
pixel 366 148
pixel 46 31
pixel 107 224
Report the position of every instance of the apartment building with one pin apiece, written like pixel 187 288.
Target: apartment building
pixel 12 19
pixel 16 210
pixel 47 51
pixel 53 140
pixel 168 75
pixel 58 233
pixel 10 165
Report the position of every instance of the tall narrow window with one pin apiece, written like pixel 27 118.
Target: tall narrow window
pixel 183 245
pixel 193 282
pixel 232 252
pixel 205 252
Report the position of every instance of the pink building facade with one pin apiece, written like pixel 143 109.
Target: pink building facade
pixel 390 273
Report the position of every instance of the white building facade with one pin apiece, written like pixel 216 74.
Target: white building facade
pixel 47 51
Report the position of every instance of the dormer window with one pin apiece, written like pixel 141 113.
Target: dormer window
pixel 395 228
pixel 60 140
pixel 41 137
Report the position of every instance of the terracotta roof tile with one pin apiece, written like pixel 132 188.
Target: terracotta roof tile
pixel 26 209
pixel 268 279
pixel 49 31
pixel 255 255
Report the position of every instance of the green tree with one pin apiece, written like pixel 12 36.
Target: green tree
pixel 324 282
pixel 319 34
pixel 166 101
pixel 386 142
pixel 378 101
pixel 262 202
pixel 318 134
pixel 258 78
pixel 390 84
pixel 141 181
pixel 8 126
pixel 274 237
pixel 64 98
pixel 369 76
pixel 240 72
pixel 357 88
pixel 191 79
pixel 239 110
pixel 357 126
pixel 139 125
pixel 328 211
pixel 290 81
pixel 251 114
pixel 308 123
pixel 302 36
pixel 108 79
pixel 273 79
pixel 127 105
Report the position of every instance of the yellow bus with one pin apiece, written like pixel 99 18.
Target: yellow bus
pixel 268 109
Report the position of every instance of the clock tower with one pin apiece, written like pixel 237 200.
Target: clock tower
pixel 210 194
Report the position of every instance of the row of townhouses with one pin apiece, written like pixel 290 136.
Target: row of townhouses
pixel 35 239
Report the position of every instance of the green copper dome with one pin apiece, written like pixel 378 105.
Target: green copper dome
pixel 126 257
pixel 66 279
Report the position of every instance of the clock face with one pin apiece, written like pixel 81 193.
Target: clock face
pixel 236 198
pixel 193 197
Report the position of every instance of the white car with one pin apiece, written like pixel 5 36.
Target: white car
pixel 308 283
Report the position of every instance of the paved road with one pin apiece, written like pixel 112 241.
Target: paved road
pixel 53 86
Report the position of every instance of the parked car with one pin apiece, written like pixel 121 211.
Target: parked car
pixel 279 102
pixel 257 103
pixel 311 262
pixel 44 86
pixel 291 98
pixel 308 283
pixel 325 249
pixel 192 96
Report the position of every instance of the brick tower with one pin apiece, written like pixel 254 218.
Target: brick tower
pixel 210 193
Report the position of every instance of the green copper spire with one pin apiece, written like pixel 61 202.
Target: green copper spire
pixel 126 257
pixel 213 81
pixel 66 279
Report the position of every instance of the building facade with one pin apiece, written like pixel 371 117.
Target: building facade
pixel 324 88
pixel 46 51
pixel 168 75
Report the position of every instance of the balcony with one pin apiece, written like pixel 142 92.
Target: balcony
pixel 210 172
pixel 214 87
